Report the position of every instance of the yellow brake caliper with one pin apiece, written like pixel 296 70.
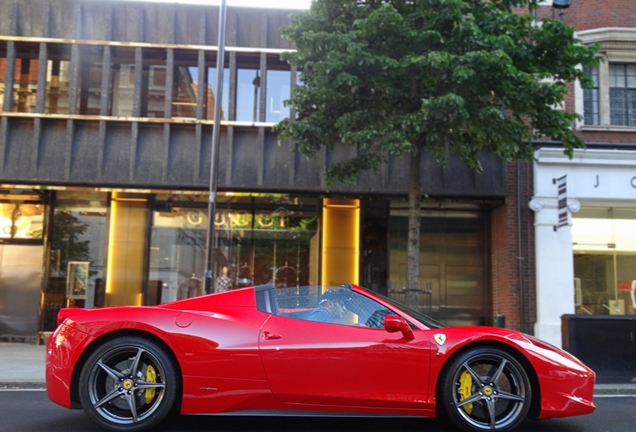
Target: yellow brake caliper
pixel 151 377
pixel 465 387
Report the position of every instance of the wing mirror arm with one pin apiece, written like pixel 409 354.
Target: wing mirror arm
pixel 394 324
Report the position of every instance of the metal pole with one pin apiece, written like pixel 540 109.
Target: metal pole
pixel 214 151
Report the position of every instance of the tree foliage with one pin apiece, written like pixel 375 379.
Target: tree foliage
pixel 404 76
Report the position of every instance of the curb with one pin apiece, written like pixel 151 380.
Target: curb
pixel 22 385
pixel 615 389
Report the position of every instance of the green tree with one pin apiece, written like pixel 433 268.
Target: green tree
pixel 65 245
pixel 403 77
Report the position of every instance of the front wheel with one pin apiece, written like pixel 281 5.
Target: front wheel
pixel 128 384
pixel 486 389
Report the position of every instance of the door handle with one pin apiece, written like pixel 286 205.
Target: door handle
pixel 270 336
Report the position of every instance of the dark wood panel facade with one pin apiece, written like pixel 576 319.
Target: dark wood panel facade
pixel 137 151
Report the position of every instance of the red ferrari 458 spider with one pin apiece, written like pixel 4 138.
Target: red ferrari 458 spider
pixel 325 350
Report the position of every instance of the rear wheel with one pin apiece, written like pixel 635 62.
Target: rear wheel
pixel 486 389
pixel 128 384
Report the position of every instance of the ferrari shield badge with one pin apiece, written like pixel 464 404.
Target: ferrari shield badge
pixel 440 338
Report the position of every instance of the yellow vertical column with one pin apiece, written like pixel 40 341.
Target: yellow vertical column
pixel 340 241
pixel 126 250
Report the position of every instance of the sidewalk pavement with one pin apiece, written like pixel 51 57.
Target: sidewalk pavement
pixel 22 367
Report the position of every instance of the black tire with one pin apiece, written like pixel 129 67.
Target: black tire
pixel 128 384
pixel 485 389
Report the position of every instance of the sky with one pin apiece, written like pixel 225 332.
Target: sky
pixel 282 4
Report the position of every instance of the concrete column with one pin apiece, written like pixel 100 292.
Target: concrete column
pixel 554 267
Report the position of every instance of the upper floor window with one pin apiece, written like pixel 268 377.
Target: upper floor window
pixel 622 92
pixel 590 98
pixel 130 81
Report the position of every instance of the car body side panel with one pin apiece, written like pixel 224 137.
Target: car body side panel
pixel 334 364
pixel 214 350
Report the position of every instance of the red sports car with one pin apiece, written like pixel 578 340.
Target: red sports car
pixel 289 350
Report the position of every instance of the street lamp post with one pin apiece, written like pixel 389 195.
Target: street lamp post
pixel 214 151
pixel 560 5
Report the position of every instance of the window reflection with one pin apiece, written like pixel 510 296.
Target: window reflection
pixel 25 85
pixel 248 85
pixel 156 93
pixel 278 91
pixel 122 81
pixel 210 97
pixel 184 92
pixel 24 82
pixel 122 76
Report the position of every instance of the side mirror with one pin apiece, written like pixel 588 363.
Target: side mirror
pixel 394 324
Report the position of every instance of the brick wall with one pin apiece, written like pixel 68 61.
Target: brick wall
pixel 509 279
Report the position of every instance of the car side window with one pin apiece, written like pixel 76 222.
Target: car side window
pixel 335 305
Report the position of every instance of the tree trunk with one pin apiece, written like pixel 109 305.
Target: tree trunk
pixel 413 245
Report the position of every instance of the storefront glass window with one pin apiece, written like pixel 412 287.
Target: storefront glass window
pixel 452 264
pixel 604 245
pixel 21 220
pixel 77 254
pixel 259 239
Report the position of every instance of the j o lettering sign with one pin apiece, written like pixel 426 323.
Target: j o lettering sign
pixel 597 183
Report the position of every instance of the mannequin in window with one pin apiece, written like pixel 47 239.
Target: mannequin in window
pixel 191 287
pixel 223 282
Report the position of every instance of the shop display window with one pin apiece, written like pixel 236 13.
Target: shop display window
pixel 21 220
pixel 259 239
pixel 604 247
pixel 76 257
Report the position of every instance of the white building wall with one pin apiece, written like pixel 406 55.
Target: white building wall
pixel 595 178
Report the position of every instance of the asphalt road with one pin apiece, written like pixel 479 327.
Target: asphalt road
pixel 31 411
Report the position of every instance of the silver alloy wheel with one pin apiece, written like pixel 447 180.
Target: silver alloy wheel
pixel 496 393
pixel 119 387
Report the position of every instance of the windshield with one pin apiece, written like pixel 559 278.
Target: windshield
pixel 424 319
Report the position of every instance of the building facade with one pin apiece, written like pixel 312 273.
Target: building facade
pixel 105 135
pixel 585 207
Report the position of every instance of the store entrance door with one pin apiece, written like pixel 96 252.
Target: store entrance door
pixel 20 276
